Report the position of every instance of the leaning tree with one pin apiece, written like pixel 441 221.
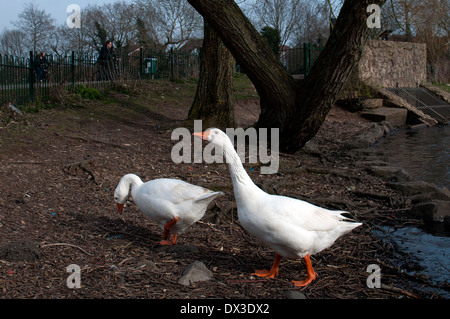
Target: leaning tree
pixel 297 108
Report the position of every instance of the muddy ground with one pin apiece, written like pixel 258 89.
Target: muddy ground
pixel 59 168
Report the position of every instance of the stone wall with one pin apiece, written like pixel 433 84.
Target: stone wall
pixel 384 63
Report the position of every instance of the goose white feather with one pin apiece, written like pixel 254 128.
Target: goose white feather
pixel 291 227
pixel 173 204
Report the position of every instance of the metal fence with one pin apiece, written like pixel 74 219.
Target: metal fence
pixel 299 60
pixel 20 82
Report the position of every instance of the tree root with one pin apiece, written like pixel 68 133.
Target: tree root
pixel 82 165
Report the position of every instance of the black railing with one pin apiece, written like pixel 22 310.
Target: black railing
pixel 20 83
pixel 299 60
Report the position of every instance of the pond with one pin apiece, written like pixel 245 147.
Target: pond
pixel 425 155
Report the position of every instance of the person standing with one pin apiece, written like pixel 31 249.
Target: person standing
pixel 41 65
pixel 105 60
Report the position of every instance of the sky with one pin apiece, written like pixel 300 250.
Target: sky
pixel 57 8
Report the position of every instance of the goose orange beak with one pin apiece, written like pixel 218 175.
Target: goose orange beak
pixel 120 207
pixel 203 135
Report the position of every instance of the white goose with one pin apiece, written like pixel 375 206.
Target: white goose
pixel 173 203
pixel 292 228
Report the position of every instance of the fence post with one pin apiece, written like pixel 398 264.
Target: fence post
pixel 73 70
pixel 31 77
pixel 171 64
pixel 141 63
pixel 306 57
pixel 309 57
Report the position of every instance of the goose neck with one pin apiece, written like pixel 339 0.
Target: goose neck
pixel 132 180
pixel 238 174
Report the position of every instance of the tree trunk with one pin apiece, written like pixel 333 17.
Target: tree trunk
pixel 298 109
pixel 213 102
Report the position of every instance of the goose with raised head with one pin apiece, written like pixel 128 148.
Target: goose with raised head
pixel 173 204
pixel 291 227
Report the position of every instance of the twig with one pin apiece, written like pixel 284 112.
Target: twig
pixel 400 291
pixel 247 281
pixel 124 261
pixel 209 225
pixel 64 244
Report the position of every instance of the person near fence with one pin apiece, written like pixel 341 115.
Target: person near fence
pixel 41 65
pixel 105 61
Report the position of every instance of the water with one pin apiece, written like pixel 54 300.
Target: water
pixel 432 252
pixel 425 155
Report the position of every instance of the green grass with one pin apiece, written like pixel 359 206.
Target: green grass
pixel 153 95
pixel 443 86
pixel 243 87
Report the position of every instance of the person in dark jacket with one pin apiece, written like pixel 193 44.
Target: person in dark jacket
pixel 41 65
pixel 105 60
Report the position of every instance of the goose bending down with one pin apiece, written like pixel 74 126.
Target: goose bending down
pixel 292 228
pixel 173 204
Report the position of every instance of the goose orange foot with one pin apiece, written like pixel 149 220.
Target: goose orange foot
pixel 166 235
pixel 311 274
pixel 171 242
pixel 273 272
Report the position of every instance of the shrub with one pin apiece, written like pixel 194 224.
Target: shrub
pixel 88 93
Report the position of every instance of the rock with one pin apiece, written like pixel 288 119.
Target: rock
pixel 375 162
pixel 196 271
pixel 372 103
pixel 352 104
pixel 433 211
pixel 414 187
pixel 418 126
pixel 443 194
pixel 294 294
pixel 312 148
pixel 390 173
pixel 368 138
pixel 145 263
pixel 440 194
pixel 395 116
pixel 388 127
